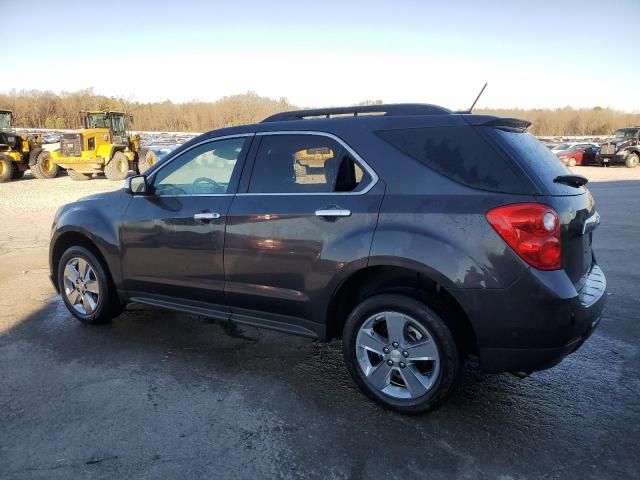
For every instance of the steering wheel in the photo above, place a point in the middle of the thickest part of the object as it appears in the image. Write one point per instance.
(206, 181)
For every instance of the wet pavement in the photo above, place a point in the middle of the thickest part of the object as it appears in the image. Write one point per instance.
(158, 394)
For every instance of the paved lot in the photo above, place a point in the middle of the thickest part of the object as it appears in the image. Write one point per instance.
(163, 395)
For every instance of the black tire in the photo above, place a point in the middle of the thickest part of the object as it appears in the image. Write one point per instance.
(7, 168)
(105, 308)
(632, 160)
(41, 165)
(118, 167)
(449, 363)
(146, 159)
(77, 176)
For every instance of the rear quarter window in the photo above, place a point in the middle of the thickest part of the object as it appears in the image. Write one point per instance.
(534, 158)
(461, 154)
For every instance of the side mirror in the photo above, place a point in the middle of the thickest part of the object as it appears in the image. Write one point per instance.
(136, 185)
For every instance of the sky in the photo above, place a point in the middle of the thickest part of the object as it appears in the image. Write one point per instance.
(533, 54)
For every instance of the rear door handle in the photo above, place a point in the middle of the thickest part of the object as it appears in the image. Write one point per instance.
(206, 216)
(333, 212)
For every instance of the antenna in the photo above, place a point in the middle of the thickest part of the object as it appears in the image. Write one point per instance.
(476, 100)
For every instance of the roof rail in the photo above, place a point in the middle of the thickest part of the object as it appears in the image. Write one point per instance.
(388, 110)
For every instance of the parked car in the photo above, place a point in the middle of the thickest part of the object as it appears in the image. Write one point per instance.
(580, 154)
(417, 235)
(624, 148)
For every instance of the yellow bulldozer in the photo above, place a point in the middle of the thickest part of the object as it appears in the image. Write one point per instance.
(102, 145)
(19, 153)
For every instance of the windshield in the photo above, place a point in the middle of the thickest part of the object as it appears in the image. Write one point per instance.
(560, 146)
(5, 120)
(97, 120)
(626, 132)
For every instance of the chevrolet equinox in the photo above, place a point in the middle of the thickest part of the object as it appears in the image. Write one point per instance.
(417, 235)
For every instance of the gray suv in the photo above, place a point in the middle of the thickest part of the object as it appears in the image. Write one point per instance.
(417, 235)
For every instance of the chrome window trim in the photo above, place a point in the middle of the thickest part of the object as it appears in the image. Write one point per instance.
(356, 156)
(208, 140)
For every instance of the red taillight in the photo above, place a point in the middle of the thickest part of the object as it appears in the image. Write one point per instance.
(532, 230)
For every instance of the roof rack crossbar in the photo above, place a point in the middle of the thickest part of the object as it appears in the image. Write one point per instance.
(400, 109)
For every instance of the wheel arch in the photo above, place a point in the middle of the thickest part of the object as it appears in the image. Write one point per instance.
(412, 282)
(73, 238)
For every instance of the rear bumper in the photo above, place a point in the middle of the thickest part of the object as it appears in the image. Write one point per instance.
(537, 322)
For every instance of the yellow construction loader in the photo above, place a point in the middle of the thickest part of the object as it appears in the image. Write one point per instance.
(18, 153)
(103, 145)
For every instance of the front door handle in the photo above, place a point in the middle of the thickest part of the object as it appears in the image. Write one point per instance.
(206, 216)
(333, 212)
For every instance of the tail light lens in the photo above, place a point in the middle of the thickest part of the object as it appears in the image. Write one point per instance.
(532, 230)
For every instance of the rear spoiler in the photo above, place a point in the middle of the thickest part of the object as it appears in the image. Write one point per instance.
(511, 124)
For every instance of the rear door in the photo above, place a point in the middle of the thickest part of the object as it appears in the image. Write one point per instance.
(173, 237)
(305, 219)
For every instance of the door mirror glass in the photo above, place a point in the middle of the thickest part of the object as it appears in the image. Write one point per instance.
(136, 185)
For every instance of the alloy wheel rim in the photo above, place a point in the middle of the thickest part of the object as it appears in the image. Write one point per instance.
(81, 286)
(397, 355)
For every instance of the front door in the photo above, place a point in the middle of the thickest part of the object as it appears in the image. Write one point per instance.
(307, 218)
(173, 236)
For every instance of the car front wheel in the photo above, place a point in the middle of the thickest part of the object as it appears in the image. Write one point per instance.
(84, 286)
(400, 353)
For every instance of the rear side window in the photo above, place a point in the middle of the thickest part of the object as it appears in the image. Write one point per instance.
(460, 154)
(538, 160)
(304, 164)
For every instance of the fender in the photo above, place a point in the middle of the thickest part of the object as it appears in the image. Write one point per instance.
(100, 226)
(414, 242)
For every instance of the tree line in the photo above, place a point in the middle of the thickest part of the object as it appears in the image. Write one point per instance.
(43, 109)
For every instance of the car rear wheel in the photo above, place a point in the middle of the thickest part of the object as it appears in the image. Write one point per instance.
(571, 162)
(84, 286)
(632, 160)
(400, 353)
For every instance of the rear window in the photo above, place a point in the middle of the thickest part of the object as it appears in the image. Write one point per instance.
(461, 154)
(535, 158)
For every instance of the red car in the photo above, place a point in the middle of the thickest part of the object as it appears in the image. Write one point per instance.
(579, 154)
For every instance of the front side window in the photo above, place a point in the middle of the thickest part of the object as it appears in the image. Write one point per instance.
(204, 170)
(304, 164)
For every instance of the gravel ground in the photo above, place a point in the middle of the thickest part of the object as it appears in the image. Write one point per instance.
(159, 394)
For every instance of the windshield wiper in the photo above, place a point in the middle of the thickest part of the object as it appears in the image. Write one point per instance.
(571, 180)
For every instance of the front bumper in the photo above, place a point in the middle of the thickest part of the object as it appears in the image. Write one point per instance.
(536, 322)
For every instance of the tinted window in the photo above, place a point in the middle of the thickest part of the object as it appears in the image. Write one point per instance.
(205, 169)
(534, 157)
(460, 154)
(304, 164)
